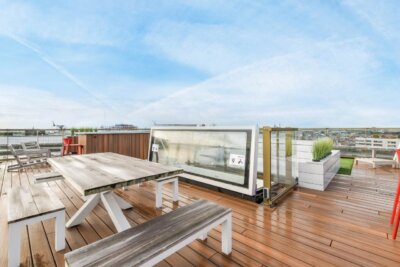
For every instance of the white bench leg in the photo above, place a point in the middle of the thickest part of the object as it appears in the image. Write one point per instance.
(203, 236)
(14, 244)
(60, 230)
(158, 195)
(227, 235)
(176, 190)
(84, 211)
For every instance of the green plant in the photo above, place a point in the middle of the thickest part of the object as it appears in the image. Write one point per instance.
(346, 165)
(80, 130)
(322, 148)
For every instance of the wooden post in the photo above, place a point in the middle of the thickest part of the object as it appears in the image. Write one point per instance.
(267, 158)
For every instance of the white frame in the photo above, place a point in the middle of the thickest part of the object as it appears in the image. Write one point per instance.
(252, 186)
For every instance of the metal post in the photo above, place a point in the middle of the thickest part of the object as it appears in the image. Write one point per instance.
(8, 149)
(62, 141)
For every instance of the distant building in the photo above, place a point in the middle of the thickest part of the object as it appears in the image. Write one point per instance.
(121, 126)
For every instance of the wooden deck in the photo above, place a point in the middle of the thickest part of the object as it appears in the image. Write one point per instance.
(347, 225)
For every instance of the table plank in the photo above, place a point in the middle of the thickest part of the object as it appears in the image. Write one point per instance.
(99, 172)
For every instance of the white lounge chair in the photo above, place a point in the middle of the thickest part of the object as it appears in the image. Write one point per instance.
(25, 158)
(33, 150)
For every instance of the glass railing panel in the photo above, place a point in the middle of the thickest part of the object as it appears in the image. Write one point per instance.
(219, 155)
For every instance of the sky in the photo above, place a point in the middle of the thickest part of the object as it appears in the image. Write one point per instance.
(289, 63)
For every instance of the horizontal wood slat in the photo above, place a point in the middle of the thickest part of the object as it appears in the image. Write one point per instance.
(129, 144)
(30, 201)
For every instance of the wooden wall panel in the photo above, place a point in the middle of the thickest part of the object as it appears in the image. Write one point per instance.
(130, 144)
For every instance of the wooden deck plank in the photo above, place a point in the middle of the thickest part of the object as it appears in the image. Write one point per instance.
(343, 226)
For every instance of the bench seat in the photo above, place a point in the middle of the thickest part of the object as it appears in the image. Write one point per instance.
(151, 242)
(29, 205)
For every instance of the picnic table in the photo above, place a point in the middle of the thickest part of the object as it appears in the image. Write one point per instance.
(97, 175)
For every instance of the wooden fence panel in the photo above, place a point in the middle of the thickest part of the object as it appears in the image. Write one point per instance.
(130, 144)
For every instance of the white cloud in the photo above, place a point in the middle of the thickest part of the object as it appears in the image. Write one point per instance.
(298, 64)
(308, 88)
(26, 107)
(382, 16)
(56, 24)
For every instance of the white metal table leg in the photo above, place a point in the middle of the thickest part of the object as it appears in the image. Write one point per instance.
(158, 195)
(60, 230)
(14, 244)
(203, 236)
(84, 211)
(226, 240)
(176, 190)
(121, 202)
(115, 212)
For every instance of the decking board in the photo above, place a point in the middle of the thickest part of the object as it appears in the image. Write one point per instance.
(346, 225)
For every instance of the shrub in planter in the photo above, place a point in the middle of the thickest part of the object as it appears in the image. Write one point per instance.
(322, 148)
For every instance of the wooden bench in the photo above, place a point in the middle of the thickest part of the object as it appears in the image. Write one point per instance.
(28, 205)
(376, 162)
(151, 242)
(47, 177)
(165, 180)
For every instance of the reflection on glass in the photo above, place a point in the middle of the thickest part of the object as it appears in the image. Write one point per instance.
(283, 162)
(219, 155)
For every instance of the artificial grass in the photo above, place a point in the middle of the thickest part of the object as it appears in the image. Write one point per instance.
(346, 165)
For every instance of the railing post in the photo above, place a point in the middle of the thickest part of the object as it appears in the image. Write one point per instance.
(62, 142)
(8, 149)
(267, 160)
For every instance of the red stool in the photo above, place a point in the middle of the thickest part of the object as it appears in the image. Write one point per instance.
(68, 143)
(396, 211)
(398, 154)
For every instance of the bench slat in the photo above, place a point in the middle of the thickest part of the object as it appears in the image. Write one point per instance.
(46, 175)
(27, 202)
(139, 244)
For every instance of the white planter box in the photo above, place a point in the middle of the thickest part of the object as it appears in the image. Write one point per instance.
(317, 175)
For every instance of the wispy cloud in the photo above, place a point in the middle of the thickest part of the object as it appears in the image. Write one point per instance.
(297, 63)
(56, 24)
(30, 107)
(60, 69)
(303, 88)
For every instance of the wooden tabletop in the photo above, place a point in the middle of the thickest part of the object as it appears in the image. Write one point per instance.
(99, 172)
(34, 200)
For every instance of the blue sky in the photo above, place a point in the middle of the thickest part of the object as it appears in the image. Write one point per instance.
(293, 63)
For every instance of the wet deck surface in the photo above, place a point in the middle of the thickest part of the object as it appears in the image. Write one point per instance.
(347, 225)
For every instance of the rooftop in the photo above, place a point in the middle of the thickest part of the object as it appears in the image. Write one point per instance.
(346, 225)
